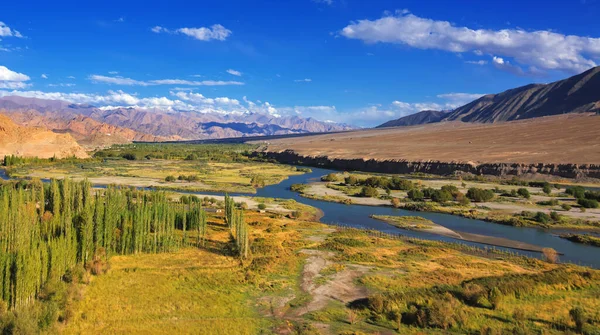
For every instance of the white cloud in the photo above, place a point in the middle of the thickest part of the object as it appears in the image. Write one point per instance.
(305, 80)
(44, 76)
(158, 29)
(70, 77)
(6, 31)
(12, 80)
(327, 2)
(477, 62)
(121, 19)
(454, 100)
(61, 85)
(214, 32)
(234, 72)
(113, 72)
(8, 75)
(541, 49)
(133, 82)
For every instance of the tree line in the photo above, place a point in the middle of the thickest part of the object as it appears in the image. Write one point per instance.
(234, 218)
(46, 229)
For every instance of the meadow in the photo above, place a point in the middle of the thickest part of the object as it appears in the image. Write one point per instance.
(222, 168)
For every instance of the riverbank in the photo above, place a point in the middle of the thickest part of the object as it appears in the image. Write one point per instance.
(421, 224)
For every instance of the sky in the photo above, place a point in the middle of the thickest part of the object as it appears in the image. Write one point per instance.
(349, 61)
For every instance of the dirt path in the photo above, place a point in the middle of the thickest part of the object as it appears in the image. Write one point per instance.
(340, 286)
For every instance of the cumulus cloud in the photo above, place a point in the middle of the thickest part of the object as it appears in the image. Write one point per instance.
(234, 72)
(305, 80)
(44, 76)
(540, 49)
(12, 80)
(214, 32)
(6, 31)
(133, 82)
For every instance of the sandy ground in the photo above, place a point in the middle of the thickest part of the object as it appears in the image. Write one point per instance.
(340, 287)
(572, 138)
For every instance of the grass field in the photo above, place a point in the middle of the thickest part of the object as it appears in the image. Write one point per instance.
(210, 176)
(306, 278)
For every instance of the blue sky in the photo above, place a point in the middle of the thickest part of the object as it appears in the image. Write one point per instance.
(353, 61)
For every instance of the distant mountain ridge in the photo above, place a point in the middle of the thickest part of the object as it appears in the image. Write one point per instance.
(577, 94)
(422, 117)
(92, 125)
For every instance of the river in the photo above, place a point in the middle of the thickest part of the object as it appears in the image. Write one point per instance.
(359, 216)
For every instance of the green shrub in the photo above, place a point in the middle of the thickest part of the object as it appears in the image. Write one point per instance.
(129, 156)
(576, 191)
(480, 195)
(170, 178)
(441, 196)
(587, 203)
(542, 217)
(262, 206)
(547, 188)
(332, 177)
(577, 314)
(523, 192)
(369, 191)
(566, 207)
(416, 195)
(351, 180)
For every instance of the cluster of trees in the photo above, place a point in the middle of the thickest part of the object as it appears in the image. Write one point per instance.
(480, 195)
(48, 229)
(234, 218)
(585, 199)
(394, 183)
(190, 178)
(444, 194)
(190, 152)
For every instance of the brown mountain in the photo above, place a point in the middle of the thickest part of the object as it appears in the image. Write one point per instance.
(36, 142)
(86, 131)
(577, 94)
(161, 124)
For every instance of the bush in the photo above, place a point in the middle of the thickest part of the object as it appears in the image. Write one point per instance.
(428, 192)
(369, 191)
(587, 203)
(480, 195)
(550, 255)
(441, 196)
(129, 156)
(542, 217)
(577, 314)
(351, 180)
(547, 188)
(523, 192)
(262, 206)
(555, 216)
(191, 157)
(170, 178)
(450, 189)
(495, 297)
(576, 191)
(416, 195)
(332, 177)
(566, 207)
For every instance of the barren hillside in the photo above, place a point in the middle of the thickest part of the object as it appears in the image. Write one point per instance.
(30, 142)
(573, 138)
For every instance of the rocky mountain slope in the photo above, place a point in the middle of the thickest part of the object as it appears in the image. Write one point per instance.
(161, 124)
(38, 142)
(422, 117)
(577, 94)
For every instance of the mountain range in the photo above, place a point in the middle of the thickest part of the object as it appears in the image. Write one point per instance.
(33, 141)
(93, 127)
(577, 94)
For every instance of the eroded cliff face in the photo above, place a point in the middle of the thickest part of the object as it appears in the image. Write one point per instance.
(573, 171)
